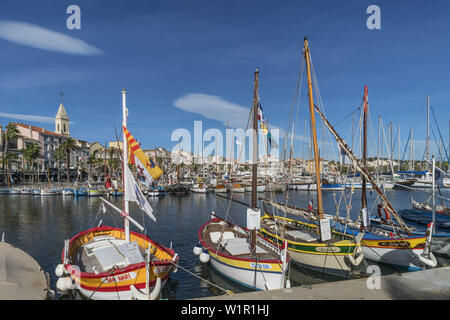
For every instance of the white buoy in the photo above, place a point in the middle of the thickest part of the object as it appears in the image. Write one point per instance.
(59, 270)
(197, 250)
(69, 283)
(61, 284)
(204, 257)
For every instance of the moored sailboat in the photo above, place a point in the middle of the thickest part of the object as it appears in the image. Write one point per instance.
(112, 263)
(238, 253)
(313, 245)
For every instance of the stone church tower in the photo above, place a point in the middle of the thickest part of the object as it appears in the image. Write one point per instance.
(62, 120)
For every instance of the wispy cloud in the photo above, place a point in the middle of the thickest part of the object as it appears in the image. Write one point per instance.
(216, 108)
(38, 37)
(29, 117)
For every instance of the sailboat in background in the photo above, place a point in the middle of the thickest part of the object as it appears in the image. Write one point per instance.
(239, 253)
(108, 263)
(402, 249)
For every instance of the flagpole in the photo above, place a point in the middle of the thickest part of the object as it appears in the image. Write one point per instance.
(125, 163)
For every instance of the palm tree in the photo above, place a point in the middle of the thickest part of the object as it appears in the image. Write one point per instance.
(6, 160)
(11, 133)
(59, 155)
(68, 146)
(30, 154)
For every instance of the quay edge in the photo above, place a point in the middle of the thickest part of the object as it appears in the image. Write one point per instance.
(431, 284)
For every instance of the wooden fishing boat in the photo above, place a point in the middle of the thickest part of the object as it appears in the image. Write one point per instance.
(313, 246)
(404, 250)
(238, 253)
(237, 188)
(51, 192)
(220, 188)
(422, 206)
(105, 265)
(95, 192)
(338, 257)
(81, 192)
(199, 188)
(68, 192)
(229, 250)
(13, 191)
(25, 191)
(109, 263)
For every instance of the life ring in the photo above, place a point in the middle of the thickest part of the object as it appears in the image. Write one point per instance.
(386, 213)
(431, 262)
(379, 213)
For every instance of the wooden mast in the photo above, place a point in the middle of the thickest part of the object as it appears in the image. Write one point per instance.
(254, 203)
(364, 155)
(313, 130)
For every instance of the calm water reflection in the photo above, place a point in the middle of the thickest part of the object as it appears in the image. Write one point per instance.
(39, 226)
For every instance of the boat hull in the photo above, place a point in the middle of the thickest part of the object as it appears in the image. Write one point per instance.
(329, 258)
(115, 285)
(251, 273)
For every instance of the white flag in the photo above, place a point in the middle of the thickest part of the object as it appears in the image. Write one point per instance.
(133, 193)
(143, 175)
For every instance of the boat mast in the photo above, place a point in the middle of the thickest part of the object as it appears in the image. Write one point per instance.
(427, 148)
(313, 130)
(364, 171)
(254, 204)
(364, 156)
(125, 163)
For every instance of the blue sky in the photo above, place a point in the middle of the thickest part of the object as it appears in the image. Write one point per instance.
(176, 57)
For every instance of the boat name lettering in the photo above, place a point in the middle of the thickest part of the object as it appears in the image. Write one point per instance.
(120, 277)
(398, 244)
(260, 265)
(328, 249)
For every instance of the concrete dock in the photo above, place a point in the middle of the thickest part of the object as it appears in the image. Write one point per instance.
(432, 284)
(21, 277)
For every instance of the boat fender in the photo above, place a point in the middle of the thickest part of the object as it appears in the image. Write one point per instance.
(59, 270)
(61, 284)
(69, 283)
(204, 257)
(197, 250)
(431, 262)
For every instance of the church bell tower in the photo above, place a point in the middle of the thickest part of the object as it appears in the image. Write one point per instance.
(62, 120)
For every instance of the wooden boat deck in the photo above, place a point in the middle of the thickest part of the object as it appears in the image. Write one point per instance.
(271, 227)
(90, 263)
(270, 254)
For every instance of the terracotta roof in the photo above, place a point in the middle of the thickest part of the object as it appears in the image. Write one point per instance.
(40, 130)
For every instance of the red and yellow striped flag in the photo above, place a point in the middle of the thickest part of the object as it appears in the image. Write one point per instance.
(147, 170)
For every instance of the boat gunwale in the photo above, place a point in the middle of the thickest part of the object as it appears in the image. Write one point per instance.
(229, 256)
(131, 267)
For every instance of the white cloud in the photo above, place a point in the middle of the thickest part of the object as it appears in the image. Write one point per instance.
(213, 107)
(41, 38)
(29, 117)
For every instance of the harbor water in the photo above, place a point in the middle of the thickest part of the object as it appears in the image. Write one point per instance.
(40, 225)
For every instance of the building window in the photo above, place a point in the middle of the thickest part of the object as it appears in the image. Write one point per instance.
(64, 128)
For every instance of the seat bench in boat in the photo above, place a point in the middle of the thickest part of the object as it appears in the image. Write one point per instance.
(103, 252)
